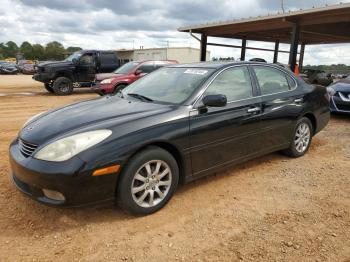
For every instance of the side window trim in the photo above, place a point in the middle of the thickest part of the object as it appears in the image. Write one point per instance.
(208, 82)
(282, 71)
(223, 70)
(147, 64)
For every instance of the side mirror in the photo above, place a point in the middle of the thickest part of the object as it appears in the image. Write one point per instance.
(75, 61)
(215, 100)
(138, 72)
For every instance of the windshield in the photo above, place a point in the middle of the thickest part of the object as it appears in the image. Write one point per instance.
(172, 85)
(75, 55)
(125, 69)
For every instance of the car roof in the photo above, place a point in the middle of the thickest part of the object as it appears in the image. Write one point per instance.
(217, 65)
(161, 61)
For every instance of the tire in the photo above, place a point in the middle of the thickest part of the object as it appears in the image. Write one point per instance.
(147, 181)
(48, 87)
(119, 88)
(303, 131)
(62, 86)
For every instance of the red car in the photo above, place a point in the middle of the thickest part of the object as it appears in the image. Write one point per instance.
(125, 75)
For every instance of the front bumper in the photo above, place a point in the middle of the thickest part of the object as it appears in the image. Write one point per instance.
(103, 89)
(337, 105)
(42, 77)
(70, 178)
(96, 88)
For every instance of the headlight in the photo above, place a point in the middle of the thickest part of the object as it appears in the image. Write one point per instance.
(65, 148)
(331, 91)
(32, 118)
(107, 81)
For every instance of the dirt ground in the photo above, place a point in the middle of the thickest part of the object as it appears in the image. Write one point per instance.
(269, 209)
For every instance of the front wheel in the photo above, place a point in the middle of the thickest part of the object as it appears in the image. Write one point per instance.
(63, 86)
(302, 138)
(148, 181)
(48, 87)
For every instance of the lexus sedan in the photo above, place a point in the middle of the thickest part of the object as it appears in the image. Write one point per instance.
(172, 126)
(340, 96)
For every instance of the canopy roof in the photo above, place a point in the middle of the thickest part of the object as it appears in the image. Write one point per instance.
(324, 25)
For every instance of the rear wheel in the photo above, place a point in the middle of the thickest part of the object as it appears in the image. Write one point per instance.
(148, 181)
(63, 86)
(48, 87)
(302, 138)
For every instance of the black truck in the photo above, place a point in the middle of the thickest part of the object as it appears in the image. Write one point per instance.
(77, 70)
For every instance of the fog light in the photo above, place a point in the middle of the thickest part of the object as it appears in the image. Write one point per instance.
(53, 195)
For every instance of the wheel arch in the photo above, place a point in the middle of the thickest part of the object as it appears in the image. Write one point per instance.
(171, 149)
(313, 121)
(120, 83)
(65, 74)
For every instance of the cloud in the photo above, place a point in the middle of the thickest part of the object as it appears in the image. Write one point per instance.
(111, 24)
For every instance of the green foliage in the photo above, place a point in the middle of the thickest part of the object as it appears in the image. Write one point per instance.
(339, 68)
(52, 51)
(55, 51)
(27, 50)
(38, 52)
(10, 49)
(72, 49)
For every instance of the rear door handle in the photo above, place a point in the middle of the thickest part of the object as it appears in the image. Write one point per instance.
(298, 100)
(254, 110)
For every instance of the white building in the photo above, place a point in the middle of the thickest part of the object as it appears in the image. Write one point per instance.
(180, 54)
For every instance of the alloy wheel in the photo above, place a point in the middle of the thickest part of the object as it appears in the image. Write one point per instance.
(302, 137)
(151, 183)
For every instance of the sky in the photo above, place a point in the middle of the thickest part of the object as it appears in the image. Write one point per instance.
(116, 24)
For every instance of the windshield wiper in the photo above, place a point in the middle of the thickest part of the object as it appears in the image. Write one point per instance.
(141, 97)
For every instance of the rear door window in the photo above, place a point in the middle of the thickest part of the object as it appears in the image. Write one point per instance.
(272, 81)
(108, 58)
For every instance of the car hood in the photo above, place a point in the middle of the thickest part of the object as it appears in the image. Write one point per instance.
(100, 77)
(341, 85)
(101, 113)
(55, 64)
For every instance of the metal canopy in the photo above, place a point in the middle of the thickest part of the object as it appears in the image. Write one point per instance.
(324, 25)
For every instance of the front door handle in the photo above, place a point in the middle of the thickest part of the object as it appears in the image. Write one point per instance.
(254, 110)
(298, 100)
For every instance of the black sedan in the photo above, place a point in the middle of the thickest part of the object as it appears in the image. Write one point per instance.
(340, 96)
(175, 125)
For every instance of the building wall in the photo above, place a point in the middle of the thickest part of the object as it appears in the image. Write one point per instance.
(180, 54)
(150, 54)
(185, 55)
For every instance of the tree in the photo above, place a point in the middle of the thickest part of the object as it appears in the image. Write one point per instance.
(73, 49)
(2, 51)
(38, 52)
(55, 50)
(27, 50)
(11, 49)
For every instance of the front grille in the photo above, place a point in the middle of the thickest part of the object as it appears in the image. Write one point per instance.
(345, 96)
(26, 148)
(40, 69)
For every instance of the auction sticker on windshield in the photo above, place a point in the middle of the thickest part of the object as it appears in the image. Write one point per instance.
(196, 71)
